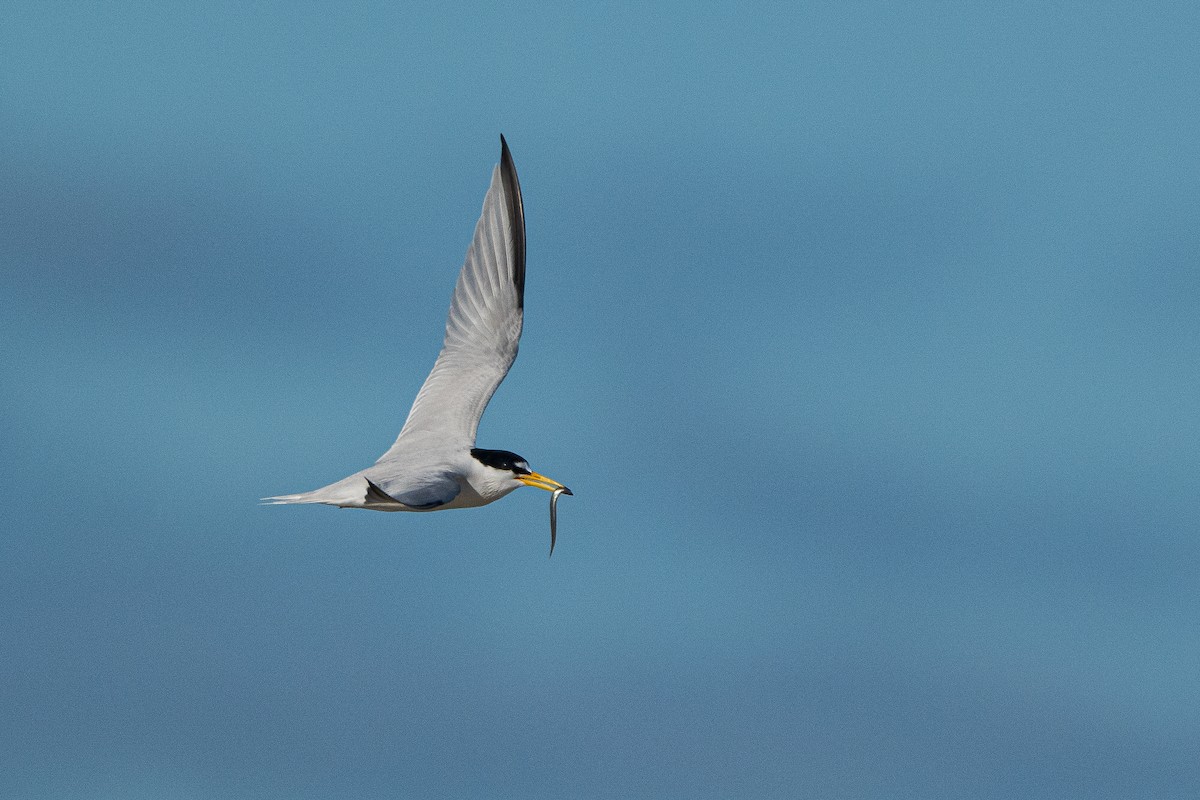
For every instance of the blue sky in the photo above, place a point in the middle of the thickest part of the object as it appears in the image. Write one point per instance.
(866, 335)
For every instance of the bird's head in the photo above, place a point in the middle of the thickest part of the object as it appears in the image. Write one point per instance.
(517, 467)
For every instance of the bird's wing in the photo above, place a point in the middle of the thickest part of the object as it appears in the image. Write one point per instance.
(484, 324)
(423, 492)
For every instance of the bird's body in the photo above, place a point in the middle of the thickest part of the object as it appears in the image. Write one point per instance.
(456, 480)
(434, 464)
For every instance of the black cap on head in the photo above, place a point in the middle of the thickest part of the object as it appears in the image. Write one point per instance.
(501, 459)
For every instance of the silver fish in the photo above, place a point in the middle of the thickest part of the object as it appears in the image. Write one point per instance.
(554, 515)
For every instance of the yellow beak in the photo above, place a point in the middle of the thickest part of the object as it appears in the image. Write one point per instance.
(542, 482)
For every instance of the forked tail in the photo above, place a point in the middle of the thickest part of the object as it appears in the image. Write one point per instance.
(302, 497)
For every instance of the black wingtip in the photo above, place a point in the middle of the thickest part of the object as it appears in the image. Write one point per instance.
(376, 495)
(517, 212)
(506, 158)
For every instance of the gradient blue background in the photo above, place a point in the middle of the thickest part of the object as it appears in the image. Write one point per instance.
(867, 336)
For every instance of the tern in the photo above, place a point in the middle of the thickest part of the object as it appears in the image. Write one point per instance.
(434, 463)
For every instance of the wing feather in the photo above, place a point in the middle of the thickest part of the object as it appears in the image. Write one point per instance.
(484, 323)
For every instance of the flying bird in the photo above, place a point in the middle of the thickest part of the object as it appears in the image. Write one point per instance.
(434, 463)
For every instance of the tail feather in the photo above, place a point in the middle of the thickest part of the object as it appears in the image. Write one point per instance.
(349, 492)
(283, 499)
